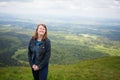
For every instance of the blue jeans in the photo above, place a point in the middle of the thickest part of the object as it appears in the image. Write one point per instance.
(40, 74)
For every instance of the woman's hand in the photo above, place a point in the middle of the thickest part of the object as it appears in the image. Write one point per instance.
(35, 67)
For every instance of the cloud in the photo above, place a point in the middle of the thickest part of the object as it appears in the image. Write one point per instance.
(84, 8)
(16, 0)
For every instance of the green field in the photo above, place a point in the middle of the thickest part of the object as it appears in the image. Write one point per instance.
(70, 43)
(107, 68)
(78, 53)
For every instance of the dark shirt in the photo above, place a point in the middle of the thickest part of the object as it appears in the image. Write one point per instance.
(35, 51)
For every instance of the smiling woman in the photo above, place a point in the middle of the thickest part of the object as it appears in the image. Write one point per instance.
(39, 51)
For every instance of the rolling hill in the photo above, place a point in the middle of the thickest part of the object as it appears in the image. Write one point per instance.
(70, 42)
(79, 51)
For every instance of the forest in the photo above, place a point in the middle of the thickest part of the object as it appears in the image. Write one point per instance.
(71, 43)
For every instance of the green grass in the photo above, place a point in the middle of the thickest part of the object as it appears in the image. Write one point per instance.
(98, 69)
(107, 68)
(15, 73)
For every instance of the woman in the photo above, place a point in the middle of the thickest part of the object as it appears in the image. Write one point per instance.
(39, 51)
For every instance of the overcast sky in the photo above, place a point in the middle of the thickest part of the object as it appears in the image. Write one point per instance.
(80, 8)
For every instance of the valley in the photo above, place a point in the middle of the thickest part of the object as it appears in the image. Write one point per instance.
(71, 43)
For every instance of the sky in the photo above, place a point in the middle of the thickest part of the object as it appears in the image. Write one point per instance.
(65, 8)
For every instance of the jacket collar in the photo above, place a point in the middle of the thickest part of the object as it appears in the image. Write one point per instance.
(36, 40)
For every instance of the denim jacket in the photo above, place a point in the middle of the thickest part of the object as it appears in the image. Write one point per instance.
(42, 55)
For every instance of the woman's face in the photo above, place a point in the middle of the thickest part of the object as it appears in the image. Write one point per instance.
(41, 30)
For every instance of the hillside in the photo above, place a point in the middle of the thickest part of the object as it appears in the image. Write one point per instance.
(70, 42)
(107, 68)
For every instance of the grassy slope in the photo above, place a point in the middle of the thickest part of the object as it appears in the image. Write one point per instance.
(107, 68)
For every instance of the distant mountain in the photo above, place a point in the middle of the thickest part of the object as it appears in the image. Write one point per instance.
(60, 19)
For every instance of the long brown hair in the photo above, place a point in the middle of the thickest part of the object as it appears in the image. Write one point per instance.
(35, 36)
